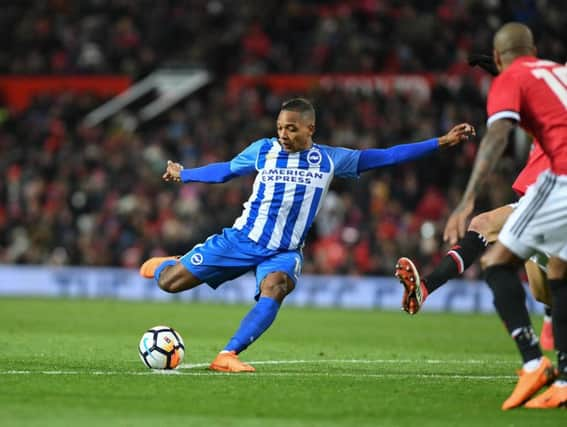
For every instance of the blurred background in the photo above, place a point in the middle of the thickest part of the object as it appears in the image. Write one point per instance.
(85, 189)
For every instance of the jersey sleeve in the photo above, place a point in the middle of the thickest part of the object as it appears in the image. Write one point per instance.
(345, 161)
(245, 162)
(503, 99)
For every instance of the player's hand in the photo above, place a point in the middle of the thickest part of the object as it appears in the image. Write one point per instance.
(172, 172)
(457, 223)
(458, 134)
(486, 62)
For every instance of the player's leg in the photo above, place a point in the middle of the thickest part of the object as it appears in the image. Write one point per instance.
(220, 258)
(556, 395)
(539, 288)
(169, 273)
(539, 223)
(500, 266)
(483, 228)
(276, 278)
(274, 289)
(546, 337)
(537, 280)
(149, 266)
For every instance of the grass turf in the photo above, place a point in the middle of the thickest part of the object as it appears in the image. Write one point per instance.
(75, 362)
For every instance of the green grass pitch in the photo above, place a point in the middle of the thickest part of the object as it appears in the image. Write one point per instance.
(75, 363)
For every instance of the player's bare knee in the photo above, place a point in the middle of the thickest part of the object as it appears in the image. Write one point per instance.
(498, 254)
(490, 258)
(277, 286)
(485, 225)
(480, 223)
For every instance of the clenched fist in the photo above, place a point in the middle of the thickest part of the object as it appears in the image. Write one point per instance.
(172, 172)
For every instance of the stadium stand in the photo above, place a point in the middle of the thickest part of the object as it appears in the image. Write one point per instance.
(73, 195)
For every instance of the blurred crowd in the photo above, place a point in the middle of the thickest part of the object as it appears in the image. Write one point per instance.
(226, 36)
(94, 196)
(74, 195)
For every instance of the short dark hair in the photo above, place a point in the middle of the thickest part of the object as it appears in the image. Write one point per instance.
(300, 105)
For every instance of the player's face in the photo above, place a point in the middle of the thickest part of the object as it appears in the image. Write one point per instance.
(294, 131)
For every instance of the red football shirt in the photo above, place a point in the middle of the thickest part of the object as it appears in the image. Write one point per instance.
(534, 93)
(536, 164)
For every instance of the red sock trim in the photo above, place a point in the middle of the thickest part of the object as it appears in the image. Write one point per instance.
(458, 260)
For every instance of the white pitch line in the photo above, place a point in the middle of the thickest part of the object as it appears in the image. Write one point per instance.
(363, 361)
(257, 375)
(294, 374)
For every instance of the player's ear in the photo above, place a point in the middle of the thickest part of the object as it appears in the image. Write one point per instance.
(497, 60)
(311, 127)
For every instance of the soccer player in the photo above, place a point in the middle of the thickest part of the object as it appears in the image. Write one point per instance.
(533, 93)
(293, 175)
(483, 229)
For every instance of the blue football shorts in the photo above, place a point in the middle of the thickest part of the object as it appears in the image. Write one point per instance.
(228, 255)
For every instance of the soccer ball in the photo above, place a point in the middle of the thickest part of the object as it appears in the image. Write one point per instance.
(161, 347)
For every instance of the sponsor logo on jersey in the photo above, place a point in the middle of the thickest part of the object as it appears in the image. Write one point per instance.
(196, 259)
(294, 176)
(314, 157)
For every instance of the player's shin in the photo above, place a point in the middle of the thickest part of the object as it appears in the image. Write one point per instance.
(510, 303)
(254, 324)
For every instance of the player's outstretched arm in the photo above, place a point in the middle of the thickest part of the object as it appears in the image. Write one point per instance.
(211, 173)
(375, 157)
(490, 150)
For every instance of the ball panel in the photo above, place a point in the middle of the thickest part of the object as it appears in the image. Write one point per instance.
(143, 357)
(179, 339)
(161, 347)
(166, 340)
(147, 342)
(157, 360)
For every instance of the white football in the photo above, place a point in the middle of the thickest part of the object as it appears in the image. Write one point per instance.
(161, 347)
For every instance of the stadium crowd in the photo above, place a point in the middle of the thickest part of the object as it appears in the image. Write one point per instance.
(307, 36)
(94, 196)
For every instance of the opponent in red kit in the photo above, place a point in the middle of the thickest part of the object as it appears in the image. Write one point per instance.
(483, 229)
(533, 93)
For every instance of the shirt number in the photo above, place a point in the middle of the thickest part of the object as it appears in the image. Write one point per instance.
(556, 80)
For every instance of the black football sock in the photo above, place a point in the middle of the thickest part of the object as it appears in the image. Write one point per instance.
(457, 260)
(562, 365)
(510, 303)
(558, 289)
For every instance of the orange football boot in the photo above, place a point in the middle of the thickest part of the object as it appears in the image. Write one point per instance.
(554, 397)
(414, 290)
(529, 383)
(228, 362)
(149, 267)
(546, 338)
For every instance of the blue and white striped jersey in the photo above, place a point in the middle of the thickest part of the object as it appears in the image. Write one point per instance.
(288, 190)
